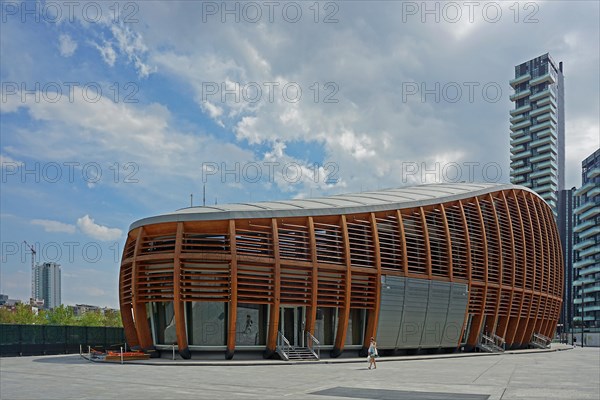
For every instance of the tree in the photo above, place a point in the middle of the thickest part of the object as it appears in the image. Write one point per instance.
(61, 315)
(113, 318)
(91, 318)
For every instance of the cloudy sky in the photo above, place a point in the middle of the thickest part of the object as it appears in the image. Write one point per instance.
(112, 112)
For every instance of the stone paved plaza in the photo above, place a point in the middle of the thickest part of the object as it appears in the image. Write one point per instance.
(568, 374)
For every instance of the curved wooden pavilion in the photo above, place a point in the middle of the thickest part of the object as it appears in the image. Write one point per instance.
(424, 267)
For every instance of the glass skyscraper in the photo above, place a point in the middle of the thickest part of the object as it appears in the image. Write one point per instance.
(537, 127)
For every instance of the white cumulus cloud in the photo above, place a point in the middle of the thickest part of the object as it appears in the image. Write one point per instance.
(99, 232)
(54, 226)
(66, 45)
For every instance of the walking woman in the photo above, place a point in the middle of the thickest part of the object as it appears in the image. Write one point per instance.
(373, 354)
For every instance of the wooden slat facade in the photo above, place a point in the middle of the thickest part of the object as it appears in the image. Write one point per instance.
(503, 244)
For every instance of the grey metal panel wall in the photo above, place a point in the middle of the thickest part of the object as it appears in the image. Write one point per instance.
(457, 310)
(390, 313)
(415, 306)
(437, 310)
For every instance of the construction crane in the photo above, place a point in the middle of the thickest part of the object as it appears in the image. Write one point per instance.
(33, 253)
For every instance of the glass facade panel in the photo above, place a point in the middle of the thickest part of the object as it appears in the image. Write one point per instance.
(207, 323)
(251, 329)
(356, 327)
(326, 325)
(164, 322)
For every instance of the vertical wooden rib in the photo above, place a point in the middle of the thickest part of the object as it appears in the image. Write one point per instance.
(500, 264)
(503, 324)
(402, 243)
(547, 260)
(520, 337)
(274, 314)
(233, 297)
(514, 324)
(541, 257)
(312, 309)
(139, 309)
(373, 314)
(127, 308)
(427, 244)
(478, 319)
(449, 244)
(340, 338)
(178, 305)
(469, 264)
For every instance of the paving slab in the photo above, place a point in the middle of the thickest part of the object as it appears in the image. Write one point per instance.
(572, 374)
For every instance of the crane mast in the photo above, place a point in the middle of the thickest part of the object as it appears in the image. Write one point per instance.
(33, 253)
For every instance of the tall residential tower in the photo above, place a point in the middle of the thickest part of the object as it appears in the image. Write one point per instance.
(46, 283)
(538, 128)
(587, 243)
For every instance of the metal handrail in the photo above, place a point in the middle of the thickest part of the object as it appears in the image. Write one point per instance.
(283, 344)
(311, 342)
(492, 341)
(540, 339)
(498, 341)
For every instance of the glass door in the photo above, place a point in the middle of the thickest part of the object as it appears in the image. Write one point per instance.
(291, 324)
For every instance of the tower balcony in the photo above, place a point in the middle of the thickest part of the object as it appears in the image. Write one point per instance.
(518, 118)
(542, 172)
(519, 133)
(540, 95)
(584, 263)
(591, 174)
(585, 188)
(520, 95)
(583, 226)
(584, 244)
(547, 117)
(543, 157)
(590, 251)
(543, 125)
(519, 156)
(547, 132)
(595, 230)
(517, 180)
(520, 110)
(592, 212)
(520, 140)
(541, 142)
(584, 207)
(541, 79)
(541, 110)
(520, 125)
(519, 79)
(546, 100)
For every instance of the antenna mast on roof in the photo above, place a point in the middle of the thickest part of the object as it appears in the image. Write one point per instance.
(203, 195)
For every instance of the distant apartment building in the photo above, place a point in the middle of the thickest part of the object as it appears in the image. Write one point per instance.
(587, 243)
(47, 284)
(566, 222)
(537, 125)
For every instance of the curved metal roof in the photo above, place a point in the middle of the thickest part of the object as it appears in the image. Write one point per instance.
(382, 200)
